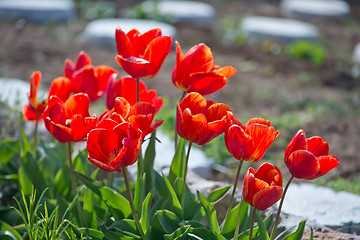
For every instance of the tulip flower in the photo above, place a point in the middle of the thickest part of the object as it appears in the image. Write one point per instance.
(60, 87)
(308, 158)
(140, 115)
(70, 67)
(69, 121)
(262, 188)
(196, 71)
(126, 87)
(248, 142)
(86, 78)
(141, 55)
(199, 120)
(112, 146)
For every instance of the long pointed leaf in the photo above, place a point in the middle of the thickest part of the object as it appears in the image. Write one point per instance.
(177, 168)
(210, 213)
(297, 235)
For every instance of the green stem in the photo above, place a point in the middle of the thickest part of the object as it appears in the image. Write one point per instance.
(175, 133)
(73, 183)
(279, 209)
(252, 223)
(36, 130)
(185, 173)
(128, 190)
(236, 233)
(232, 195)
(138, 90)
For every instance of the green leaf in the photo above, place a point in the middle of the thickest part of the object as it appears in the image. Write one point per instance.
(25, 144)
(228, 230)
(88, 209)
(210, 213)
(6, 230)
(8, 149)
(111, 235)
(126, 226)
(145, 213)
(30, 173)
(218, 194)
(111, 198)
(178, 234)
(168, 220)
(297, 235)
(92, 232)
(202, 233)
(173, 203)
(262, 228)
(177, 168)
(150, 154)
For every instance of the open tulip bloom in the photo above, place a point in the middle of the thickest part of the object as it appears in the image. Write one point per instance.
(308, 158)
(112, 146)
(70, 120)
(86, 78)
(197, 72)
(248, 142)
(126, 87)
(199, 120)
(140, 115)
(141, 55)
(61, 87)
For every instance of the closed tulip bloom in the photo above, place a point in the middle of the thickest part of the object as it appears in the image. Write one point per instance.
(112, 146)
(70, 120)
(197, 72)
(308, 158)
(140, 115)
(262, 188)
(248, 142)
(126, 87)
(60, 87)
(141, 55)
(199, 120)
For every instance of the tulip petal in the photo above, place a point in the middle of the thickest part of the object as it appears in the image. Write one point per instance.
(238, 143)
(326, 164)
(60, 87)
(123, 44)
(298, 142)
(303, 164)
(62, 133)
(270, 174)
(29, 113)
(267, 197)
(227, 71)
(248, 185)
(317, 146)
(205, 82)
(216, 111)
(77, 104)
(136, 67)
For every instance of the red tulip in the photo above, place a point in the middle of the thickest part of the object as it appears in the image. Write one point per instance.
(86, 78)
(70, 67)
(262, 188)
(112, 146)
(140, 115)
(249, 142)
(196, 71)
(69, 121)
(126, 87)
(199, 120)
(60, 87)
(141, 55)
(308, 158)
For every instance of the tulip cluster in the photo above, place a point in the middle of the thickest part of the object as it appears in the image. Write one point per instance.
(114, 138)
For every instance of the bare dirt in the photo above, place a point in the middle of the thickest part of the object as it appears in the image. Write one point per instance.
(265, 85)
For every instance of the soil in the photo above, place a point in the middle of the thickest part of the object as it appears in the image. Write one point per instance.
(266, 84)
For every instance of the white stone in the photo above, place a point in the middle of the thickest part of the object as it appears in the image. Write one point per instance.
(356, 56)
(14, 92)
(316, 8)
(38, 11)
(102, 32)
(322, 205)
(192, 12)
(279, 28)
